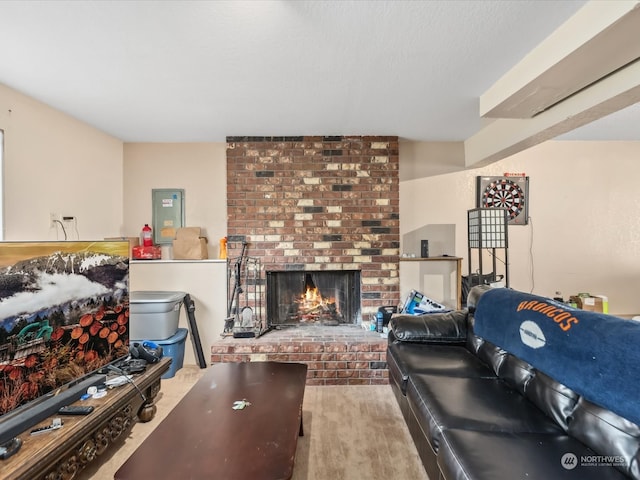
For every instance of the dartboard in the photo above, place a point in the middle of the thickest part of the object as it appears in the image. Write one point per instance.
(505, 192)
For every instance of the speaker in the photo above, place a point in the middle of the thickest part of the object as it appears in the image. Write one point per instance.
(424, 248)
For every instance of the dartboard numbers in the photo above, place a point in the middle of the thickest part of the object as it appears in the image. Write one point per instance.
(505, 192)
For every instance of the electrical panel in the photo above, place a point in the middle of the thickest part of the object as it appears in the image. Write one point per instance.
(168, 214)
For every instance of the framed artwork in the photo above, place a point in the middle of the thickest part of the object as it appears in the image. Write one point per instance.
(64, 313)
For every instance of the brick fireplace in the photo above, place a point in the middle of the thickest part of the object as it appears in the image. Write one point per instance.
(318, 203)
(334, 355)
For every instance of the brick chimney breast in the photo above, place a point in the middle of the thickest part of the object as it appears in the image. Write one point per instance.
(318, 203)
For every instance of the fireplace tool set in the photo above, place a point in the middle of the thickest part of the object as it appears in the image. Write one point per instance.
(244, 296)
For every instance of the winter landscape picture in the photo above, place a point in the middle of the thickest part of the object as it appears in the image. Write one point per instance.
(64, 312)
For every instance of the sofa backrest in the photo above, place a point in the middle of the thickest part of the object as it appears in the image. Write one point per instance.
(595, 355)
(579, 367)
(608, 434)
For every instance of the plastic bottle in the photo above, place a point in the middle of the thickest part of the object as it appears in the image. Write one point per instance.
(223, 248)
(379, 321)
(147, 237)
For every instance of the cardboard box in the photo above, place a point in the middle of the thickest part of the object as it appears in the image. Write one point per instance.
(133, 242)
(140, 252)
(418, 303)
(190, 245)
(587, 302)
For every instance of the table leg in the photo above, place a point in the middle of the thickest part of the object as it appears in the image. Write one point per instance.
(301, 432)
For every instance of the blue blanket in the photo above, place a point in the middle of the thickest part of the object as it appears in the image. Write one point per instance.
(596, 355)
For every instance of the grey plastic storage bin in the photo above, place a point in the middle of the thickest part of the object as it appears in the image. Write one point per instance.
(154, 315)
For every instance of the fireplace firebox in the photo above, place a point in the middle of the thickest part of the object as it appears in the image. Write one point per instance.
(327, 297)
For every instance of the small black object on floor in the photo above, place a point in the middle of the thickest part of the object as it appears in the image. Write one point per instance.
(242, 333)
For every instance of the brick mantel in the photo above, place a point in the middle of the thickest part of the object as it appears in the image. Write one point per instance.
(318, 203)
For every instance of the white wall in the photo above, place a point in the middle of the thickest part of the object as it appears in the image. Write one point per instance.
(198, 168)
(584, 204)
(56, 164)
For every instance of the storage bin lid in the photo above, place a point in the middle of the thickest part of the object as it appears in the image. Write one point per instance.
(155, 297)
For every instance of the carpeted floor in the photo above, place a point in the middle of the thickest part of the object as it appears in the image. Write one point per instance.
(350, 433)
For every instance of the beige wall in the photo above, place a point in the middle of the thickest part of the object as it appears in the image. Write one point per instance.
(584, 196)
(204, 281)
(584, 204)
(198, 168)
(55, 164)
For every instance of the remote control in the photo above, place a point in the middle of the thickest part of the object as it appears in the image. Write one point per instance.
(75, 410)
(55, 425)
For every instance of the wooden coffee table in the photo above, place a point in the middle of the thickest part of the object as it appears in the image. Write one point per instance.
(203, 437)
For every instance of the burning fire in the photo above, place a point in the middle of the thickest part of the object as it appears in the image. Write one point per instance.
(312, 297)
(313, 306)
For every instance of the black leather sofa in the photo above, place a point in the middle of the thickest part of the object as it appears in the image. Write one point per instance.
(476, 410)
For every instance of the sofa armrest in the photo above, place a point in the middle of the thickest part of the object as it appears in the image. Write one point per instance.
(474, 296)
(447, 327)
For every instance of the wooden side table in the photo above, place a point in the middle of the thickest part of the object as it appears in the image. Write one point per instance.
(456, 261)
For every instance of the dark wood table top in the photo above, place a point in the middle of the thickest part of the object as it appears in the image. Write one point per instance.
(203, 437)
(44, 456)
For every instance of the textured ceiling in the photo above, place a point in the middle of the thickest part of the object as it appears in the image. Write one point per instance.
(182, 71)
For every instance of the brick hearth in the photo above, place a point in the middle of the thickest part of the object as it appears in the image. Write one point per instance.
(340, 355)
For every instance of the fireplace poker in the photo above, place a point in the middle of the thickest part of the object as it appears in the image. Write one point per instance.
(237, 288)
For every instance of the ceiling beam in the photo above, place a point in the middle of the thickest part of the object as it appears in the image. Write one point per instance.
(587, 69)
(505, 137)
(599, 39)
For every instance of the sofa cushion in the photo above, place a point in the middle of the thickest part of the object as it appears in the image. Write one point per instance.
(473, 343)
(404, 358)
(515, 372)
(608, 434)
(466, 455)
(594, 354)
(486, 351)
(448, 327)
(443, 402)
(553, 398)
(492, 355)
(474, 296)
